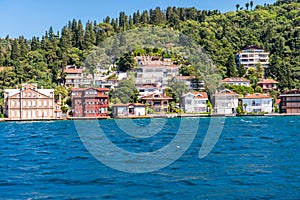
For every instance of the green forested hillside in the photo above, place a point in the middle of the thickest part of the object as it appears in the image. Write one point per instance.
(276, 28)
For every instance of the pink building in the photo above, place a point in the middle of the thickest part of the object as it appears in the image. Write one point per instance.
(29, 102)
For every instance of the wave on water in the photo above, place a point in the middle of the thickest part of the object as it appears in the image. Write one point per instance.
(246, 121)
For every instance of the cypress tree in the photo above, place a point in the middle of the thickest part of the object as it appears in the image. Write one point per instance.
(231, 66)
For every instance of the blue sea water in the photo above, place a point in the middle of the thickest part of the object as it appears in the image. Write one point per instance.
(254, 158)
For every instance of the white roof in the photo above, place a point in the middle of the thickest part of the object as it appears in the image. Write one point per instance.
(12, 92)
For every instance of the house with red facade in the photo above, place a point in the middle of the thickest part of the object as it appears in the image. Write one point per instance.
(90, 102)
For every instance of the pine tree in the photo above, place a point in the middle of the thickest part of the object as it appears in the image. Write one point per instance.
(66, 38)
(89, 37)
(15, 50)
(23, 47)
(80, 35)
(35, 44)
(145, 17)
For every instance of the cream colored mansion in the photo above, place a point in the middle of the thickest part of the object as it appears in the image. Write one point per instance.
(29, 102)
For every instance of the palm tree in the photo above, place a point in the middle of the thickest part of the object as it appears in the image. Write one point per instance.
(245, 106)
(247, 5)
(237, 7)
(251, 4)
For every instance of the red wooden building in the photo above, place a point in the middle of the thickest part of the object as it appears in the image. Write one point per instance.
(90, 102)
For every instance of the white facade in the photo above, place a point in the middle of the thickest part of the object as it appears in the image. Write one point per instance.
(257, 103)
(148, 89)
(225, 102)
(155, 74)
(238, 81)
(194, 102)
(251, 56)
(121, 110)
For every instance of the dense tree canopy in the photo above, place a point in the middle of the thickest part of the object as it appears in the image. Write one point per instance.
(276, 28)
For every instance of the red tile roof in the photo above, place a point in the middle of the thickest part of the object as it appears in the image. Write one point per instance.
(257, 96)
(72, 71)
(200, 95)
(84, 89)
(266, 81)
(236, 79)
(278, 101)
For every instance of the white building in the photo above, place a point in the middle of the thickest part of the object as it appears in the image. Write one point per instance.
(145, 90)
(75, 77)
(238, 81)
(155, 70)
(123, 110)
(251, 56)
(194, 102)
(225, 102)
(257, 103)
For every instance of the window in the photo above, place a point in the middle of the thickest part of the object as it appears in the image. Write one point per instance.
(188, 101)
(33, 103)
(45, 102)
(40, 103)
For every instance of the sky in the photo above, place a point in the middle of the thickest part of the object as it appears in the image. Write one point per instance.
(33, 17)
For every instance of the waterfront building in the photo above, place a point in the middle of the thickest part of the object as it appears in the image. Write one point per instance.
(194, 102)
(238, 81)
(29, 103)
(257, 103)
(268, 84)
(251, 56)
(290, 102)
(157, 102)
(130, 109)
(225, 102)
(90, 102)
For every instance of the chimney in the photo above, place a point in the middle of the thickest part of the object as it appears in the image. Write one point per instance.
(42, 87)
(17, 87)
